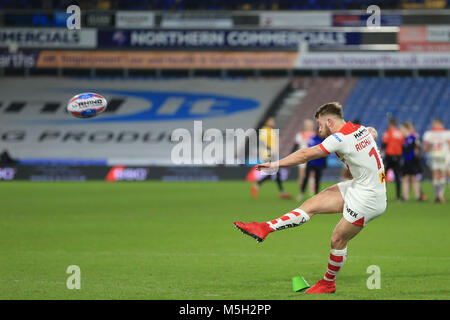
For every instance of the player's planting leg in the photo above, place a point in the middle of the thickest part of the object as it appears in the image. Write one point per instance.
(343, 232)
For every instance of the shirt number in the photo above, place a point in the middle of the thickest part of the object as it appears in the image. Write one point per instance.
(374, 153)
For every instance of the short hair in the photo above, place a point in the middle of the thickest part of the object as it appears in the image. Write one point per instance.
(409, 125)
(393, 121)
(439, 120)
(331, 108)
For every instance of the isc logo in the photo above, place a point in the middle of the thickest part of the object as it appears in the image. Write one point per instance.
(156, 106)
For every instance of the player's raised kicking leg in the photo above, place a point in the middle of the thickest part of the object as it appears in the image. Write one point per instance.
(328, 201)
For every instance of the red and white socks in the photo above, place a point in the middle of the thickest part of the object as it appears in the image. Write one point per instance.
(293, 218)
(335, 263)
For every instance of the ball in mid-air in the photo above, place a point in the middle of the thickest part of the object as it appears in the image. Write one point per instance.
(86, 105)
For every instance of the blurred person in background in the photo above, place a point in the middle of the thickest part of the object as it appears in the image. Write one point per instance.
(269, 141)
(392, 143)
(315, 166)
(436, 142)
(411, 165)
(419, 155)
(6, 159)
(301, 140)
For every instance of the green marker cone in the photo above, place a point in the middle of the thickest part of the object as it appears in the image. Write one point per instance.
(299, 284)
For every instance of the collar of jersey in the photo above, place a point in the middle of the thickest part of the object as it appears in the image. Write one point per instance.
(349, 128)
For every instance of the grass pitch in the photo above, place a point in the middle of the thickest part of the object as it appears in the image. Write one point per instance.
(155, 240)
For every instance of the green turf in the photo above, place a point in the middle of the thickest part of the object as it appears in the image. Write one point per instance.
(155, 240)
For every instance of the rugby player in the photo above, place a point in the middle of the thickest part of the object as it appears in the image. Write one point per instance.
(437, 142)
(360, 200)
(411, 164)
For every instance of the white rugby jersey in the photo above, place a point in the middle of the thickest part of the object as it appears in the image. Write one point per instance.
(438, 140)
(302, 138)
(355, 146)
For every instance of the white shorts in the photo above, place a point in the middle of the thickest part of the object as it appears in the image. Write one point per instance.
(360, 209)
(438, 163)
(303, 165)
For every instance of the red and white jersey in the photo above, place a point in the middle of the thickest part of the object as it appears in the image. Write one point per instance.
(302, 138)
(355, 146)
(438, 139)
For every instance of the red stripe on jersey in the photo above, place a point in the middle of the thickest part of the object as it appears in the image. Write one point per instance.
(333, 268)
(336, 258)
(349, 128)
(323, 149)
(285, 218)
(295, 213)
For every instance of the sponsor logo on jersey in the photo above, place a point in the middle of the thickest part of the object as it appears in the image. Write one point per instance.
(382, 177)
(352, 213)
(337, 138)
(360, 133)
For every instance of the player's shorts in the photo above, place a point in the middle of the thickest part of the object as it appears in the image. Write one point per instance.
(438, 163)
(411, 167)
(303, 165)
(360, 209)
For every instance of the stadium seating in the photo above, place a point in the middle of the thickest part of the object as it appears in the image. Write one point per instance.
(319, 91)
(372, 101)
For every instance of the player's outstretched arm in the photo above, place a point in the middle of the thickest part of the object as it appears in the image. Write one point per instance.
(295, 158)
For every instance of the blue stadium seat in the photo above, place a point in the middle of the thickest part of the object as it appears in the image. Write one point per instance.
(374, 100)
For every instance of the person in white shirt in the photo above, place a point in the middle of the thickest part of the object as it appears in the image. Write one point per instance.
(436, 142)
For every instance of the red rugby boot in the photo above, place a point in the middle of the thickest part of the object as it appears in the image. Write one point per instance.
(256, 230)
(323, 286)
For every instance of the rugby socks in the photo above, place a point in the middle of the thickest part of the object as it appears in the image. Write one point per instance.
(436, 188)
(293, 218)
(335, 263)
(439, 188)
(442, 187)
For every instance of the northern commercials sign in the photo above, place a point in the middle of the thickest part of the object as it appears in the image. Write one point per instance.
(220, 39)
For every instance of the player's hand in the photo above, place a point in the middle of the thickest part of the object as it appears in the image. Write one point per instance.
(262, 166)
(268, 167)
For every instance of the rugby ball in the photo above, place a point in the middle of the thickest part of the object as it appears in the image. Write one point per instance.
(86, 105)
